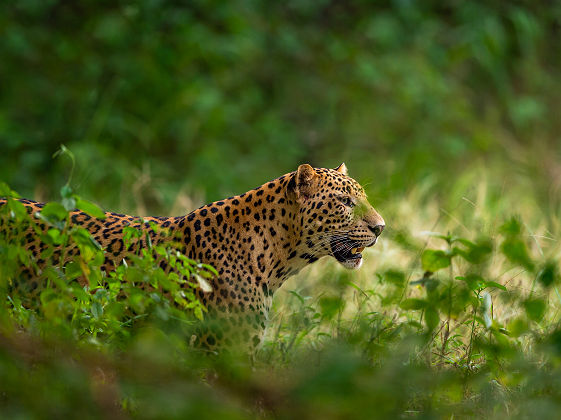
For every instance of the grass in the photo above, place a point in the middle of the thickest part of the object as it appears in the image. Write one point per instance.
(456, 120)
(455, 313)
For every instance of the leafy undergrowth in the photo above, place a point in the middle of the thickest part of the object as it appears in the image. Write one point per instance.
(450, 326)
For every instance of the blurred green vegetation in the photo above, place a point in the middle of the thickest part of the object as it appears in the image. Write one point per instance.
(449, 115)
(460, 341)
(219, 97)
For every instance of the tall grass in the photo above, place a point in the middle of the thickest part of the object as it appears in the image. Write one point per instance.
(454, 313)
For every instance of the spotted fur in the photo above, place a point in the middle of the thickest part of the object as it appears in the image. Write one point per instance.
(255, 241)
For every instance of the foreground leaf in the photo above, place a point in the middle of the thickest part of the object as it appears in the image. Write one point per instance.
(434, 260)
(89, 208)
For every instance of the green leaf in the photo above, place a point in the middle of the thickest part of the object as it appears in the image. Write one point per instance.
(492, 284)
(535, 309)
(206, 267)
(413, 304)
(475, 252)
(415, 324)
(474, 281)
(301, 298)
(69, 203)
(72, 270)
(517, 327)
(99, 258)
(554, 341)
(6, 191)
(66, 192)
(433, 260)
(97, 310)
(18, 209)
(330, 305)
(511, 227)
(549, 274)
(79, 293)
(55, 236)
(54, 214)
(198, 313)
(86, 243)
(89, 208)
(430, 283)
(395, 277)
(84, 237)
(516, 252)
(432, 318)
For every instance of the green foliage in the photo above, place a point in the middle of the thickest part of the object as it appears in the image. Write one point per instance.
(217, 98)
(76, 297)
(549, 274)
(413, 304)
(434, 260)
(451, 126)
(437, 349)
(438, 337)
(535, 309)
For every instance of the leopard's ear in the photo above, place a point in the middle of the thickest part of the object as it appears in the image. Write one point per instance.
(342, 168)
(303, 182)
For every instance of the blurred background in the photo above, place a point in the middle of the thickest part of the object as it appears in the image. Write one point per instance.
(168, 104)
(447, 113)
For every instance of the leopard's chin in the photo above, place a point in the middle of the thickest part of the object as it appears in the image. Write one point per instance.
(352, 263)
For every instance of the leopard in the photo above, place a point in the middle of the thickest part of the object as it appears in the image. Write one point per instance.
(255, 241)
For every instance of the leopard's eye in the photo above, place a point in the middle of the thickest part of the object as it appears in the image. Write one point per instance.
(347, 201)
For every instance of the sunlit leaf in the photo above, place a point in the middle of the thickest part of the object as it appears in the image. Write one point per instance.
(55, 236)
(53, 212)
(204, 284)
(89, 208)
(494, 285)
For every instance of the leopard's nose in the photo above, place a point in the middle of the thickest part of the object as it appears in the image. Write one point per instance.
(377, 230)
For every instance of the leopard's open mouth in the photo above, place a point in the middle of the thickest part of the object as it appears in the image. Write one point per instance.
(344, 252)
(347, 252)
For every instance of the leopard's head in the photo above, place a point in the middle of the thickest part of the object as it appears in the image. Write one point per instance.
(334, 214)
